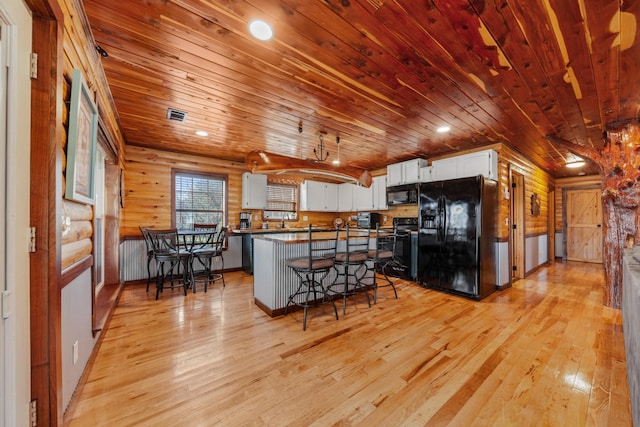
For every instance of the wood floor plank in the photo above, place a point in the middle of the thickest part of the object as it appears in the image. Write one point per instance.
(542, 353)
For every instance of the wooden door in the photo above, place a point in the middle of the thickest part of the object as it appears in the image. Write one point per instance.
(584, 225)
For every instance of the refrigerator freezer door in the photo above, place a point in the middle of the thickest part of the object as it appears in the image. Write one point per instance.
(459, 271)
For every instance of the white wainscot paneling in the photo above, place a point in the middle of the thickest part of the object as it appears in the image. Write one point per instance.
(76, 326)
(502, 263)
(559, 244)
(536, 252)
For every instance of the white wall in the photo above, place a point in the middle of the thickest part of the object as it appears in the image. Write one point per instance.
(76, 326)
(16, 391)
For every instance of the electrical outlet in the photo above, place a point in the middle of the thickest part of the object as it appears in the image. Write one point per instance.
(305, 218)
(75, 352)
(384, 219)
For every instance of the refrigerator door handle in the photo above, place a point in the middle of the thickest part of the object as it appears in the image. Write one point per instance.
(442, 218)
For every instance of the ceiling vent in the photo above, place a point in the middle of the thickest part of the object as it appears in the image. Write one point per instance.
(178, 116)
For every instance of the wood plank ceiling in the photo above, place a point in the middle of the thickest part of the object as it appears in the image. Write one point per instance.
(382, 75)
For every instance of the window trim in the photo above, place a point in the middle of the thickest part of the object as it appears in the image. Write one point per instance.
(296, 188)
(203, 174)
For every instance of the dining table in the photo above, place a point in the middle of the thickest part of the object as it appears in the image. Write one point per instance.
(189, 241)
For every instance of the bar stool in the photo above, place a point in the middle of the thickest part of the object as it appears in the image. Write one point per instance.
(311, 271)
(205, 252)
(351, 267)
(380, 258)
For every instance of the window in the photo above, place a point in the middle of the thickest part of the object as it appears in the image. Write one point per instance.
(199, 198)
(282, 202)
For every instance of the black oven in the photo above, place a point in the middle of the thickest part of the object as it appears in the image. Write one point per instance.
(404, 251)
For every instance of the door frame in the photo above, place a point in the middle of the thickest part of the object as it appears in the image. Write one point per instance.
(517, 219)
(16, 39)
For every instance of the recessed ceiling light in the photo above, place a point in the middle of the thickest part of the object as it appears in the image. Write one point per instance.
(260, 29)
(443, 129)
(202, 133)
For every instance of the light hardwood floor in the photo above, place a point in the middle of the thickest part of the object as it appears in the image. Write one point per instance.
(543, 353)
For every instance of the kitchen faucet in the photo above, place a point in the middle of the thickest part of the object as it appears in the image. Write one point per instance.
(287, 216)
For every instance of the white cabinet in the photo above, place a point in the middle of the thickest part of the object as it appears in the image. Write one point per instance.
(318, 196)
(254, 191)
(479, 163)
(426, 174)
(345, 197)
(363, 198)
(379, 192)
(407, 172)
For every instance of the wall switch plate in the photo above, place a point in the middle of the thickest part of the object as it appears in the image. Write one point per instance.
(75, 352)
(305, 218)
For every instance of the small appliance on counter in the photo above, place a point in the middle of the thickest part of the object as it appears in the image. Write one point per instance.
(367, 219)
(245, 220)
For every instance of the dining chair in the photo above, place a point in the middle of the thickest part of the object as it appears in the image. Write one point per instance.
(208, 250)
(311, 270)
(381, 258)
(351, 267)
(149, 247)
(168, 257)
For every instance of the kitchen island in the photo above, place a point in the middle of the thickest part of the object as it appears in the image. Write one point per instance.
(273, 281)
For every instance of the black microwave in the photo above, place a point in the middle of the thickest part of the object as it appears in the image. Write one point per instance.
(402, 194)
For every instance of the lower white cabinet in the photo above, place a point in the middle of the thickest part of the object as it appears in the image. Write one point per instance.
(318, 196)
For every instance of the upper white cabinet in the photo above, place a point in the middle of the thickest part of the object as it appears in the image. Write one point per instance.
(407, 172)
(318, 196)
(479, 163)
(426, 174)
(254, 191)
(345, 197)
(363, 198)
(379, 192)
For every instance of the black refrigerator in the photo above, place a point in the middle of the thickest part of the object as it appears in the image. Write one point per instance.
(456, 236)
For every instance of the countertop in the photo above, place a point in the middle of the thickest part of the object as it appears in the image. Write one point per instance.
(291, 238)
(286, 230)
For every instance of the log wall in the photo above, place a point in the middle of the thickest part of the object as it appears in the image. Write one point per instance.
(147, 190)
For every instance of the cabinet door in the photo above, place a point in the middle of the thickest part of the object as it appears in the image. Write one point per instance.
(330, 197)
(379, 186)
(312, 196)
(411, 171)
(254, 191)
(481, 163)
(345, 197)
(394, 174)
(445, 169)
(363, 198)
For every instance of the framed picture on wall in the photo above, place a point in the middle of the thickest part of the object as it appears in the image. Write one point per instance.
(81, 143)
